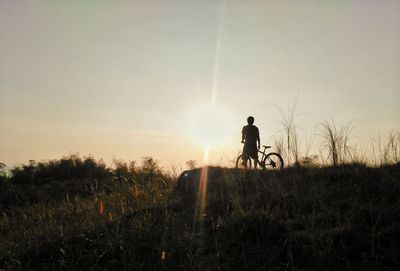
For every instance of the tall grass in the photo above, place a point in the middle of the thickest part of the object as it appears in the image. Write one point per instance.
(388, 148)
(299, 219)
(333, 144)
(288, 143)
(36, 213)
(336, 141)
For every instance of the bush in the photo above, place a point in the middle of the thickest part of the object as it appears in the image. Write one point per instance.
(67, 168)
(3, 173)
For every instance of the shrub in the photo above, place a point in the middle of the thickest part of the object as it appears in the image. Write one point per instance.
(67, 168)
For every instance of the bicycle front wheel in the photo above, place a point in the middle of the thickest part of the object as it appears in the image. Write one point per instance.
(273, 161)
(243, 162)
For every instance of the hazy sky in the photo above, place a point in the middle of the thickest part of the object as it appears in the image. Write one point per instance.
(119, 78)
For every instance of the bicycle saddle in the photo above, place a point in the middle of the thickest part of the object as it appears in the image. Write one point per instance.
(266, 146)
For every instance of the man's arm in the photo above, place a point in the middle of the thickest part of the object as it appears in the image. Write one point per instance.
(258, 138)
(243, 135)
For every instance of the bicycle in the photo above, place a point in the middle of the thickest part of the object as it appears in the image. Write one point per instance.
(269, 161)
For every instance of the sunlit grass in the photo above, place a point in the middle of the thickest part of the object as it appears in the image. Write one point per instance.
(211, 218)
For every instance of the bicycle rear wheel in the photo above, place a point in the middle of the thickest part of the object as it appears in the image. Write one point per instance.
(243, 162)
(273, 161)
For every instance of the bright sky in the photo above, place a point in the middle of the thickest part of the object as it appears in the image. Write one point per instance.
(120, 79)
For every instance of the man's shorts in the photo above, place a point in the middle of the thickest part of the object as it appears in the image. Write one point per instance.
(251, 150)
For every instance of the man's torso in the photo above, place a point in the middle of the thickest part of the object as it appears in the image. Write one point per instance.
(251, 134)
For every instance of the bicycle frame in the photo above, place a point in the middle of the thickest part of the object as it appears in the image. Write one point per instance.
(271, 160)
(259, 161)
(263, 152)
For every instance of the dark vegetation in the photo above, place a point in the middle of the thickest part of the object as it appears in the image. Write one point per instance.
(78, 214)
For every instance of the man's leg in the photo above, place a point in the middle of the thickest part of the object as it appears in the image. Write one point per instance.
(244, 159)
(255, 163)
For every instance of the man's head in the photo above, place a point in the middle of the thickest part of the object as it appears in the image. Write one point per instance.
(250, 120)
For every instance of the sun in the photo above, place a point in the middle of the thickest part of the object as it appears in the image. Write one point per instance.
(209, 125)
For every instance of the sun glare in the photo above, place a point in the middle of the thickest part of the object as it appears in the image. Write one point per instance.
(209, 125)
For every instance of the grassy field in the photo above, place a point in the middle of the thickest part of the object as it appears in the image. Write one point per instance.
(77, 214)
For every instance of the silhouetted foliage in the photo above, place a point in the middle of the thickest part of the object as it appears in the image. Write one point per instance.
(75, 213)
(73, 176)
(67, 168)
(3, 173)
(336, 141)
(327, 218)
(191, 164)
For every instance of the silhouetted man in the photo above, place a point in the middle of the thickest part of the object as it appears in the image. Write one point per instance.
(251, 140)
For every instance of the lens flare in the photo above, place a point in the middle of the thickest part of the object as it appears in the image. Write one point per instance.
(209, 125)
(200, 210)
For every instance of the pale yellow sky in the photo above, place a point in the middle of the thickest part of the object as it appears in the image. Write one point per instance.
(118, 79)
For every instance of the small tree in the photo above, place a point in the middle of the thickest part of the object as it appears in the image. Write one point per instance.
(191, 164)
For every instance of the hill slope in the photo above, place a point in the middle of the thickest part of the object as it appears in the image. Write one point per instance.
(345, 218)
